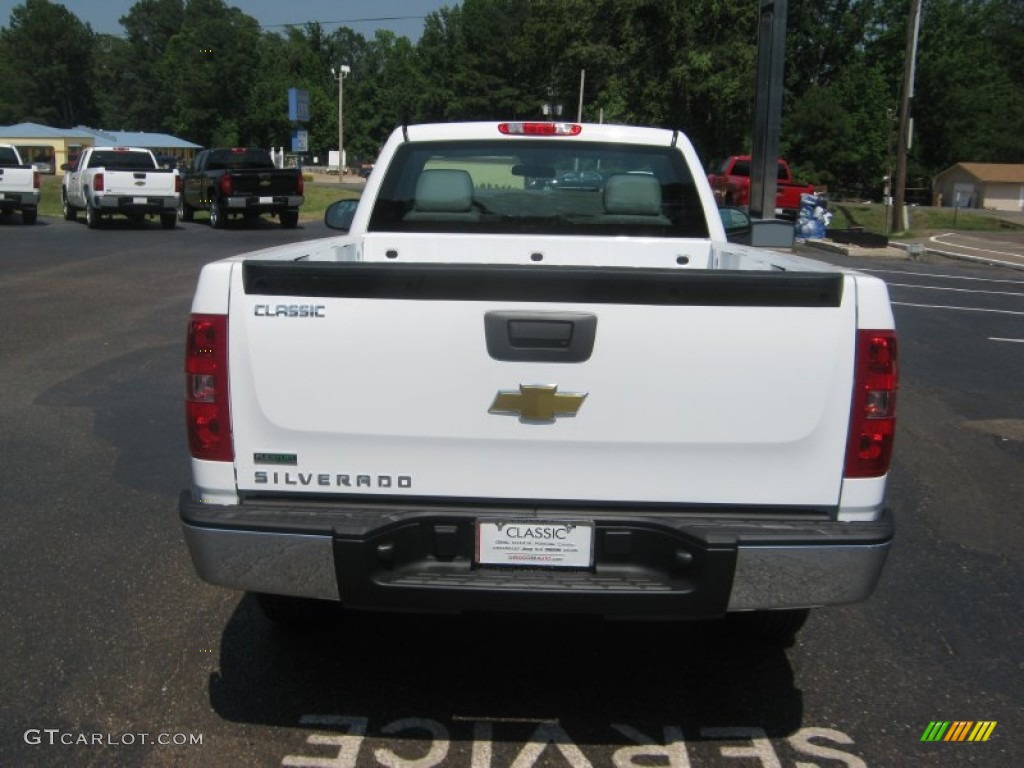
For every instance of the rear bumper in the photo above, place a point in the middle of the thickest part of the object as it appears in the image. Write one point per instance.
(129, 204)
(420, 558)
(13, 201)
(261, 204)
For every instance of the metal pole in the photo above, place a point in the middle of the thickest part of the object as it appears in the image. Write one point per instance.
(341, 129)
(907, 93)
(579, 112)
(343, 70)
(771, 44)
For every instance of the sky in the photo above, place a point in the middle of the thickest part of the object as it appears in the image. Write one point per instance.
(403, 17)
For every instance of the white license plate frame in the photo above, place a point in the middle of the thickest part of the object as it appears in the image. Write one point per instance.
(535, 543)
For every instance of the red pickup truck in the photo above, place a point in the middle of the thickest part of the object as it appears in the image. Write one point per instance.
(731, 186)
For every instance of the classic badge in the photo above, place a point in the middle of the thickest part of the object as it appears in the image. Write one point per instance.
(537, 403)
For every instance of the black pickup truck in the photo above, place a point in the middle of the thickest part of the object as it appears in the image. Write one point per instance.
(239, 180)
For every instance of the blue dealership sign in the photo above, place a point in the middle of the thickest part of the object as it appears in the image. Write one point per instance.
(298, 105)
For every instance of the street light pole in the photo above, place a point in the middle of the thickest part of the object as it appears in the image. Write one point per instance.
(906, 99)
(340, 75)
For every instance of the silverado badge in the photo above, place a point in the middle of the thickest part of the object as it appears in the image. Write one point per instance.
(537, 403)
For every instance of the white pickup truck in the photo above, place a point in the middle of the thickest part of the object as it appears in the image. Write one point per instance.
(19, 185)
(535, 375)
(120, 180)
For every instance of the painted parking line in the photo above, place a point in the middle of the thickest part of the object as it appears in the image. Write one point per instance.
(959, 309)
(1009, 259)
(942, 277)
(957, 290)
(938, 239)
(1009, 341)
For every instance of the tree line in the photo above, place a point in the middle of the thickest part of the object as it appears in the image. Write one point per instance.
(207, 72)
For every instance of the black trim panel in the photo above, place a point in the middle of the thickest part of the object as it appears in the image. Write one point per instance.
(541, 337)
(582, 285)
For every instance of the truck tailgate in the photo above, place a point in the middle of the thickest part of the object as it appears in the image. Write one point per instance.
(154, 182)
(275, 182)
(561, 384)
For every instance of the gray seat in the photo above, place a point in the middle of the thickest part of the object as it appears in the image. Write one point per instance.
(633, 198)
(443, 195)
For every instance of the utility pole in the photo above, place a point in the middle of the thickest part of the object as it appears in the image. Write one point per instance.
(906, 97)
(339, 75)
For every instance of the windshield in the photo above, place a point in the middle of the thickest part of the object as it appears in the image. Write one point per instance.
(119, 160)
(239, 160)
(542, 186)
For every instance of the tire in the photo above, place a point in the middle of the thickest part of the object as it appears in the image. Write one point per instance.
(184, 210)
(29, 217)
(168, 220)
(289, 219)
(775, 627)
(70, 212)
(297, 612)
(216, 215)
(92, 216)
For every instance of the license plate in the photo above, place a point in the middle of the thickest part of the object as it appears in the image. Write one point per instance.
(535, 543)
(140, 200)
(266, 200)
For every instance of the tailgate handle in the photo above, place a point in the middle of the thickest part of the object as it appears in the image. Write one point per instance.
(541, 337)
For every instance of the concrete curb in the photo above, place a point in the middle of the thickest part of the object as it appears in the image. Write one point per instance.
(965, 256)
(910, 251)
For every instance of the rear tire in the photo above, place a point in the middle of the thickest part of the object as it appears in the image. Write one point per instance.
(92, 216)
(289, 219)
(168, 220)
(769, 626)
(216, 215)
(70, 212)
(29, 217)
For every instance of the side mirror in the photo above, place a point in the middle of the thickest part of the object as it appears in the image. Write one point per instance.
(339, 214)
(67, 166)
(737, 224)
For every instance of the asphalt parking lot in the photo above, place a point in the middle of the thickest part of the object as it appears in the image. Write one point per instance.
(114, 653)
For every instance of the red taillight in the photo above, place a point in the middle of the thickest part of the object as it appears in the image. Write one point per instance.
(37, 181)
(227, 185)
(97, 182)
(206, 388)
(300, 186)
(873, 414)
(177, 183)
(540, 129)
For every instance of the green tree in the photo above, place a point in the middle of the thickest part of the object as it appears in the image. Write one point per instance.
(838, 134)
(207, 67)
(46, 57)
(143, 95)
(969, 101)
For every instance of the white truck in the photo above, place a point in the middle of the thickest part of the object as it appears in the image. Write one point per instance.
(502, 390)
(126, 181)
(19, 185)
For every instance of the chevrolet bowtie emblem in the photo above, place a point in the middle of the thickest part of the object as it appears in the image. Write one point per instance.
(537, 403)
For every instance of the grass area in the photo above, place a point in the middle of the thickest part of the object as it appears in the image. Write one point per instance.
(318, 197)
(873, 217)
